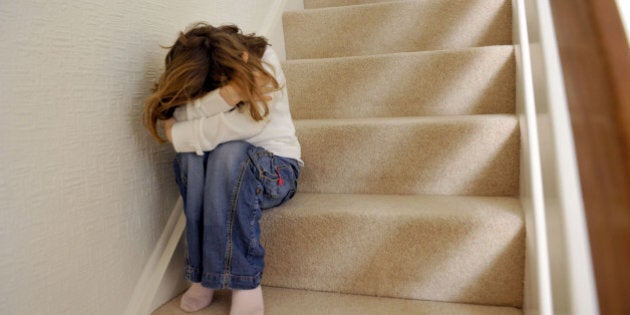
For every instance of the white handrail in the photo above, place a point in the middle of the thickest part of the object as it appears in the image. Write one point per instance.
(537, 291)
(572, 282)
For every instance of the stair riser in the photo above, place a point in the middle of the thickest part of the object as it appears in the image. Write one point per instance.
(441, 156)
(397, 27)
(474, 256)
(475, 81)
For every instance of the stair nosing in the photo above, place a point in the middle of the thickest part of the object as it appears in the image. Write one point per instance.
(355, 6)
(403, 208)
(407, 119)
(459, 50)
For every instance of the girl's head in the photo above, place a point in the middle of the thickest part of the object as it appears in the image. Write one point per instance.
(205, 58)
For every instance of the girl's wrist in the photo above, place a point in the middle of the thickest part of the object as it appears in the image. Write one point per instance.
(229, 95)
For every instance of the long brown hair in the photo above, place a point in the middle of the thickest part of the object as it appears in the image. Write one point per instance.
(203, 59)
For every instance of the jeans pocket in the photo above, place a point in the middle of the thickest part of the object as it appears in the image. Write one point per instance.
(278, 183)
(268, 173)
(277, 178)
(280, 187)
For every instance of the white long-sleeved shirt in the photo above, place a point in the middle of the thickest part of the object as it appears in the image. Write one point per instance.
(209, 121)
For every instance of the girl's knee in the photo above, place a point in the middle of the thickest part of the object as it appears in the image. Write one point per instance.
(187, 162)
(229, 155)
(229, 151)
(232, 148)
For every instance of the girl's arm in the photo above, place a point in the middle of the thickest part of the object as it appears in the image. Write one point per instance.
(206, 133)
(225, 98)
(216, 101)
(209, 121)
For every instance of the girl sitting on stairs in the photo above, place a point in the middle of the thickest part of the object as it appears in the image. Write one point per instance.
(223, 101)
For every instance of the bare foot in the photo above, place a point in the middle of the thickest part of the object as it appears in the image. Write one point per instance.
(247, 302)
(196, 298)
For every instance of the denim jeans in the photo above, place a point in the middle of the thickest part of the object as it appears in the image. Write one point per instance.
(224, 193)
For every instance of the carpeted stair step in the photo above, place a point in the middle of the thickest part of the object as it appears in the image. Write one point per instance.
(279, 301)
(437, 155)
(315, 4)
(454, 82)
(400, 26)
(441, 248)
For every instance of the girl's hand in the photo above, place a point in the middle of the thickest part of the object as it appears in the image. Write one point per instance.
(232, 94)
(168, 126)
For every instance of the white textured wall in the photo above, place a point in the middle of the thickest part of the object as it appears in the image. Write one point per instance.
(85, 192)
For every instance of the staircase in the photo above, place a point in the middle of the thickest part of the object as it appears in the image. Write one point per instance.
(408, 201)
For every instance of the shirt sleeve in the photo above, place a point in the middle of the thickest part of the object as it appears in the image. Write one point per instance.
(213, 103)
(208, 105)
(206, 133)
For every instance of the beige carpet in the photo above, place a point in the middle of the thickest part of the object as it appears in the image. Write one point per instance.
(396, 27)
(442, 248)
(457, 82)
(452, 155)
(280, 301)
(405, 113)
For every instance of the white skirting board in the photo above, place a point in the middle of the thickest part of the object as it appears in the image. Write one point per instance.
(160, 260)
(172, 282)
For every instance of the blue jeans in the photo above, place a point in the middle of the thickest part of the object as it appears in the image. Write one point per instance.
(224, 193)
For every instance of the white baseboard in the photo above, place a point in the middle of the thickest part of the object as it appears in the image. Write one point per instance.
(148, 285)
(173, 283)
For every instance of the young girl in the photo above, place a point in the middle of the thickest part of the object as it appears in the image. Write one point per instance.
(223, 101)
